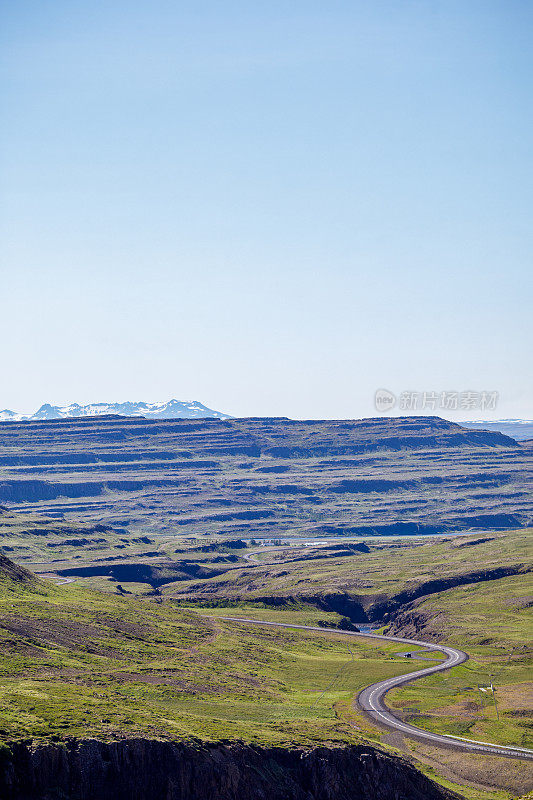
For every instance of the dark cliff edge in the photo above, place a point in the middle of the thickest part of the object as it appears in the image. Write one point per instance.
(357, 608)
(140, 769)
(390, 608)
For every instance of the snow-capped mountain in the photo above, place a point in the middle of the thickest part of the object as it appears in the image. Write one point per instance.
(6, 415)
(174, 409)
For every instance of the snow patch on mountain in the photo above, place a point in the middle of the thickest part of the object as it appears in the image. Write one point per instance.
(7, 415)
(174, 409)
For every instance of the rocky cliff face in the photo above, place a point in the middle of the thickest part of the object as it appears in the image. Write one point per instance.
(154, 770)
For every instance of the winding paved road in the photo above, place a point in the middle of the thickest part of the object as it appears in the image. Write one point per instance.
(372, 702)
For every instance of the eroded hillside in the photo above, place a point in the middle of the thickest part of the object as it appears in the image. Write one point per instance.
(267, 477)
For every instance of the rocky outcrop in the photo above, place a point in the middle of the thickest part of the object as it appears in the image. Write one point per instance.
(413, 622)
(141, 769)
(156, 575)
(386, 609)
(27, 490)
(365, 608)
(12, 574)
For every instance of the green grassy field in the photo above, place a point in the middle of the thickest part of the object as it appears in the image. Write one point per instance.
(298, 613)
(368, 576)
(76, 663)
(43, 543)
(493, 621)
(46, 545)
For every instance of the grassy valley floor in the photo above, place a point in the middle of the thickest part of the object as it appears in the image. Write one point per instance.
(75, 662)
(78, 663)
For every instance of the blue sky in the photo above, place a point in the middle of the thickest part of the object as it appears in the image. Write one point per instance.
(274, 208)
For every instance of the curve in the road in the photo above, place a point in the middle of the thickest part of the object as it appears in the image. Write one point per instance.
(372, 702)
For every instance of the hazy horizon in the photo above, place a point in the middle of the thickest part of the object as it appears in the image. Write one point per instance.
(456, 416)
(273, 210)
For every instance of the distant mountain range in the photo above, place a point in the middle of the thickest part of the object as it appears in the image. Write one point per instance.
(174, 409)
(519, 429)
